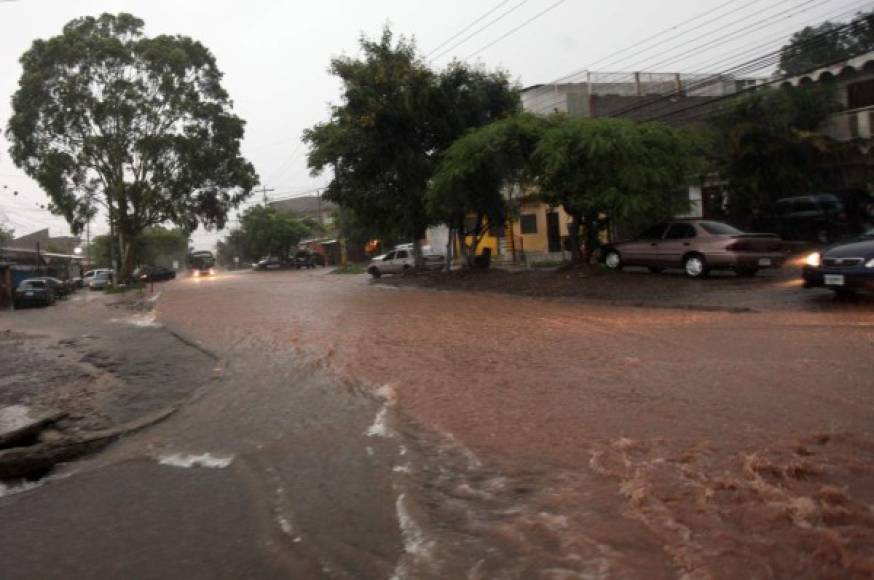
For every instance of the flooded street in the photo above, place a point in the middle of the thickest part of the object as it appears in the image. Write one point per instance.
(346, 429)
(553, 439)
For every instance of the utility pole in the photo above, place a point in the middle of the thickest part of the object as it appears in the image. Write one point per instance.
(264, 192)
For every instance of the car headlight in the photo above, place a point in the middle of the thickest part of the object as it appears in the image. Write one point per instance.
(814, 260)
(870, 263)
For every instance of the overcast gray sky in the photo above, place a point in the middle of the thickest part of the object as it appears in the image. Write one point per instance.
(275, 56)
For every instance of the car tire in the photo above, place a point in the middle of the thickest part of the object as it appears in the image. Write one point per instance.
(656, 269)
(747, 272)
(374, 271)
(695, 266)
(613, 260)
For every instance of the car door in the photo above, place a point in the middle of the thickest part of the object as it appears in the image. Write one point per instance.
(643, 251)
(402, 258)
(676, 243)
(387, 266)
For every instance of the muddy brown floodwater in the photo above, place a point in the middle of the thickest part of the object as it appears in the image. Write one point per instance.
(554, 439)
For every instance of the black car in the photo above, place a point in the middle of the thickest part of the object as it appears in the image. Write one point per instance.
(34, 291)
(269, 263)
(844, 268)
(154, 274)
(304, 259)
(61, 288)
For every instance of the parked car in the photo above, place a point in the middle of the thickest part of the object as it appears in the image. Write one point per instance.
(61, 288)
(33, 291)
(89, 275)
(399, 261)
(813, 218)
(100, 280)
(269, 263)
(844, 268)
(304, 259)
(697, 246)
(154, 273)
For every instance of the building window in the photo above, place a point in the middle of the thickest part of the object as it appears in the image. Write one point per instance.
(528, 223)
(860, 94)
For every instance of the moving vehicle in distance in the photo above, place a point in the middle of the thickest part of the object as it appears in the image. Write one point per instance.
(33, 291)
(844, 268)
(269, 263)
(697, 246)
(201, 263)
(154, 273)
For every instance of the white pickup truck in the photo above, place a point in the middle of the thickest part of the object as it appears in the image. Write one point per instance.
(399, 261)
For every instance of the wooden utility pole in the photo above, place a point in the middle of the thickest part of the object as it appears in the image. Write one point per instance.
(264, 192)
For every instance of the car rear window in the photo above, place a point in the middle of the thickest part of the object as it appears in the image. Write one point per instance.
(34, 284)
(719, 229)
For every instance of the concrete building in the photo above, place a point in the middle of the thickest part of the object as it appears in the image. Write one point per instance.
(309, 206)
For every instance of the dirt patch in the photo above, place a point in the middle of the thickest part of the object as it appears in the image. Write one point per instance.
(722, 291)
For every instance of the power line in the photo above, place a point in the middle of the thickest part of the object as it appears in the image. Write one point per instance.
(481, 29)
(466, 28)
(588, 67)
(759, 63)
(516, 29)
(712, 44)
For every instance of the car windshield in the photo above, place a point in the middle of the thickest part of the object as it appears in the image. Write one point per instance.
(719, 229)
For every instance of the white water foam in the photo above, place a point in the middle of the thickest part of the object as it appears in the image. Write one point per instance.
(187, 461)
(13, 489)
(147, 320)
(416, 545)
(379, 428)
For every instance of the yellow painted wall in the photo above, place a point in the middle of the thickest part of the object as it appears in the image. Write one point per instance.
(539, 242)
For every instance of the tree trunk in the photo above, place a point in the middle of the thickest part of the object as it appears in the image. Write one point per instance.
(126, 254)
(591, 237)
(417, 252)
(448, 257)
(573, 231)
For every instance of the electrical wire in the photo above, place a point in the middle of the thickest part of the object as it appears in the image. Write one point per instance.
(466, 28)
(481, 29)
(725, 39)
(516, 29)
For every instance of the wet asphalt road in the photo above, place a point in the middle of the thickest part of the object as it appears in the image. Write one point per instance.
(361, 431)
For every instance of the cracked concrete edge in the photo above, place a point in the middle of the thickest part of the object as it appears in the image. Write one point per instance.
(19, 462)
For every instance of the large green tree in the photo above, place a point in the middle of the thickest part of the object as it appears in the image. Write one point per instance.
(396, 117)
(471, 190)
(766, 145)
(266, 232)
(6, 234)
(142, 126)
(616, 168)
(827, 43)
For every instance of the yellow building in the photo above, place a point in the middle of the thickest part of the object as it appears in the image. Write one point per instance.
(539, 233)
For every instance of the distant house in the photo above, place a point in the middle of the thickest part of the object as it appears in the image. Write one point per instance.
(310, 206)
(39, 254)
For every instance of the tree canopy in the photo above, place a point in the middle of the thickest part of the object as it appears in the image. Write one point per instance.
(477, 173)
(829, 42)
(618, 168)
(264, 231)
(396, 117)
(6, 234)
(142, 126)
(766, 144)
